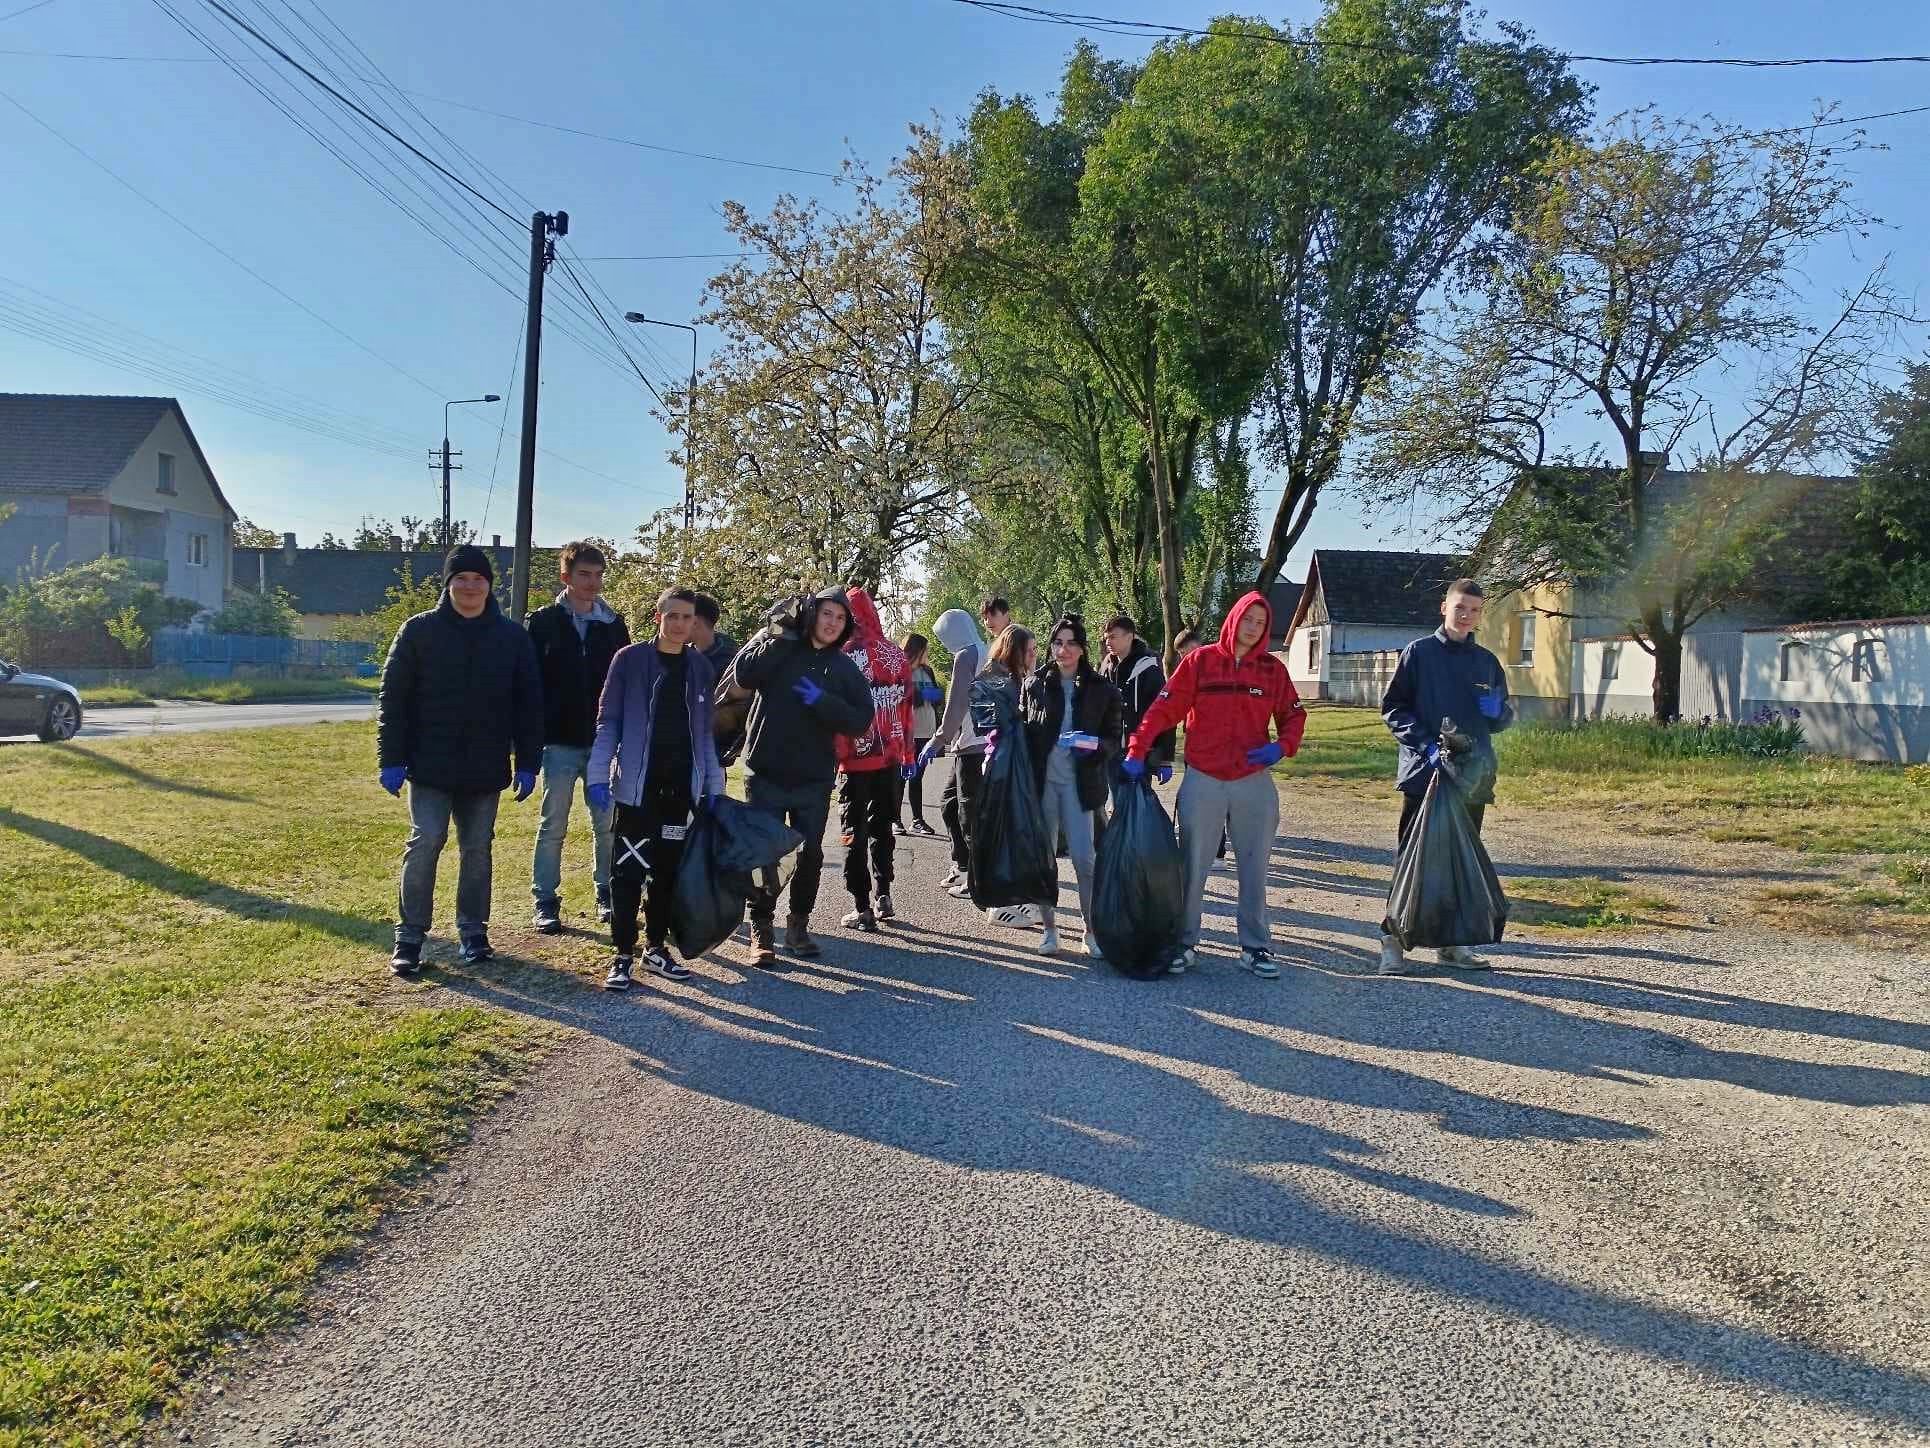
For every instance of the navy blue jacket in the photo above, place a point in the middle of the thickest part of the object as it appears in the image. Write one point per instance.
(1436, 679)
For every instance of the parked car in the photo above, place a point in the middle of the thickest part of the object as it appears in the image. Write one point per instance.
(37, 704)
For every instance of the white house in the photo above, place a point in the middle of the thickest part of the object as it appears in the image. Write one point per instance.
(89, 477)
(1361, 602)
(1863, 687)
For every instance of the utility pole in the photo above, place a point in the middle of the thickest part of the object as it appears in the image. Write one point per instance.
(542, 251)
(443, 454)
(690, 422)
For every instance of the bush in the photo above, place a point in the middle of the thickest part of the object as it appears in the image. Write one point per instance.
(1770, 734)
(268, 615)
(101, 614)
(405, 600)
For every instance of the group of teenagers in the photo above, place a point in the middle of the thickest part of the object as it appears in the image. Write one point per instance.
(822, 703)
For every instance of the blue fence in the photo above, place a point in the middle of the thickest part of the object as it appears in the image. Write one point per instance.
(220, 656)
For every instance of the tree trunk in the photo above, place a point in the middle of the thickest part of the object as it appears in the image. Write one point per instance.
(1167, 526)
(1667, 642)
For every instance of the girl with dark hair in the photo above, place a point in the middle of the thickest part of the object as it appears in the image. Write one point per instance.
(926, 696)
(1071, 717)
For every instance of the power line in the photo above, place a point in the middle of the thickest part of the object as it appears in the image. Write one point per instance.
(215, 246)
(16, 14)
(1115, 25)
(698, 255)
(502, 428)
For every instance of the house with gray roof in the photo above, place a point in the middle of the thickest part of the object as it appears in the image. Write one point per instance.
(331, 587)
(1359, 602)
(92, 477)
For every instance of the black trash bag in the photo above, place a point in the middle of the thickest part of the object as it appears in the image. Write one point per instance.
(751, 839)
(1138, 884)
(707, 901)
(1445, 890)
(1012, 859)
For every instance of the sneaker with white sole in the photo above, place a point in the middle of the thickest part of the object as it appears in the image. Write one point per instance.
(886, 910)
(1017, 917)
(1181, 963)
(659, 961)
(860, 919)
(1459, 957)
(619, 977)
(960, 891)
(953, 876)
(1260, 962)
(1049, 942)
(1093, 952)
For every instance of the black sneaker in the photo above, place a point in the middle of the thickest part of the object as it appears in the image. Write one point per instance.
(659, 961)
(549, 917)
(619, 977)
(919, 827)
(886, 910)
(407, 960)
(475, 949)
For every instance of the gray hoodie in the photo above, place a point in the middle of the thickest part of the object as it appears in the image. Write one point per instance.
(957, 632)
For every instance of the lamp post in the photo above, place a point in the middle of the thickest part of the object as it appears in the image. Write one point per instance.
(690, 419)
(454, 402)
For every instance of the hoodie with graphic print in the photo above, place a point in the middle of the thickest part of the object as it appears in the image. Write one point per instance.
(888, 742)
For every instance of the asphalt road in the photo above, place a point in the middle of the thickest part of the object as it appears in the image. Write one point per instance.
(1661, 1187)
(182, 717)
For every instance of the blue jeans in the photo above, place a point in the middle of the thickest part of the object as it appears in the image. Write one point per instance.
(565, 768)
(430, 811)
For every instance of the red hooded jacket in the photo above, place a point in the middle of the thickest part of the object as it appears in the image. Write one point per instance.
(888, 743)
(1226, 703)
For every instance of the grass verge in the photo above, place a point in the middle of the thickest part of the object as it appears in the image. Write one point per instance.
(1812, 804)
(207, 1083)
(222, 691)
(1585, 903)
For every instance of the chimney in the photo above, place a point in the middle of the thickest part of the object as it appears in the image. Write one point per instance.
(495, 540)
(288, 546)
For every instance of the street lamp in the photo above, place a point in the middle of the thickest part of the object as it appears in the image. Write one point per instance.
(455, 402)
(690, 419)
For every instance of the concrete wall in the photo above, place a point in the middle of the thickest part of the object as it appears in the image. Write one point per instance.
(1863, 689)
(191, 510)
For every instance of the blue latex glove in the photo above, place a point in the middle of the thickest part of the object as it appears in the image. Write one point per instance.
(807, 690)
(910, 771)
(599, 797)
(926, 756)
(525, 784)
(1432, 754)
(393, 778)
(1132, 768)
(931, 693)
(1266, 755)
(1491, 702)
(1164, 774)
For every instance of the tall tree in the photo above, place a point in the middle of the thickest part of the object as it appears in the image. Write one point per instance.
(1652, 262)
(407, 534)
(1884, 569)
(833, 435)
(249, 534)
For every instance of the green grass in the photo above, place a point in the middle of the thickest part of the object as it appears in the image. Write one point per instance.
(1584, 903)
(1809, 803)
(222, 691)
(208, 1084)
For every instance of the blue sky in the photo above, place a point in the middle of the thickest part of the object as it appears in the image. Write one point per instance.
(798, 85)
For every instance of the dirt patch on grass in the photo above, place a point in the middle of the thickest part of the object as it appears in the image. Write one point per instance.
(1587, 903)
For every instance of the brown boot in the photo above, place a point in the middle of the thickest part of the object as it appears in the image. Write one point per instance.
(764, 941)
(797, 937)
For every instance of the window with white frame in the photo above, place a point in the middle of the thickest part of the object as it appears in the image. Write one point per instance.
(1611, 663)
(197, 550)
(164, 473)
(1525, 636)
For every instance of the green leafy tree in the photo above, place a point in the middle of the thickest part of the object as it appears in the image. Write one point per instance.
(249, 534)
(408, 597)
(1884, 569)
(82, 615)
(1652, 261)
(261, 615)
(407, 534)
(125, 629)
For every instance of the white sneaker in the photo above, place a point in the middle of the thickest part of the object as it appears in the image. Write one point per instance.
(1393, 961)
(1018, 917)
(960, 891)
(1049, 943)
(1181, 963)
(1260, 962)
(1093, 952)
(955, 876)
(1459, 957)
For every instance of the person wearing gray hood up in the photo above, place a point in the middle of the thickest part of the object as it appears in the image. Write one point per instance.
(957, 632)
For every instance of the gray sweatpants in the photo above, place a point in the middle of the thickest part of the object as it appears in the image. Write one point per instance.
(1063, 811)
(1248, 810)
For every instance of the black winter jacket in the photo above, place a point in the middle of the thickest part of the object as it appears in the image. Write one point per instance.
(573, 670)
(1438, 679)
(787, 741)
(457, 695)
(1139, 677)
(1095, 711)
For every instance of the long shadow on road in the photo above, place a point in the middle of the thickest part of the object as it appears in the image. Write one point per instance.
(1082, 1076)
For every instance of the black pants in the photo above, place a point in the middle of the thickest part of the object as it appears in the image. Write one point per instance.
(643, 868)
(915, 787)
(867, 805)
(805, 808)
(1411, 811)
(957, 804)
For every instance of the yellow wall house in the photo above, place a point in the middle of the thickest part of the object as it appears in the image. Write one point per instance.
(1532, 632)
